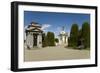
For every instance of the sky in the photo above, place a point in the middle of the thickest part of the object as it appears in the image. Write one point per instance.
(54, 21)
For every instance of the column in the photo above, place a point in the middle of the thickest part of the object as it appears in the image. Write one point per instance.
(39, 40)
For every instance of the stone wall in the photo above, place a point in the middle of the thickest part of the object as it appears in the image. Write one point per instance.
(63, 40)
(39, 40)
(29, 40)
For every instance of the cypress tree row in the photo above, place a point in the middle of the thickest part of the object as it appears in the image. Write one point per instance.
(79, 37)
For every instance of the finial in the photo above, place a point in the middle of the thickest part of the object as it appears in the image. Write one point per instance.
(63, 28)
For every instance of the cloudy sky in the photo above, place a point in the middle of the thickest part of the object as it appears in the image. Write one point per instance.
(52, 21)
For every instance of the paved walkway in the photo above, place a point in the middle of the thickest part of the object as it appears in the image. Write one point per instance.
(55, 53)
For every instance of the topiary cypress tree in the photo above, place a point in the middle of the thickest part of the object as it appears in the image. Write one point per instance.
(73, 39)
(86, 34)
(50, 39)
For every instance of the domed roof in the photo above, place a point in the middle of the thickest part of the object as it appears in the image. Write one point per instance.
(62, 32)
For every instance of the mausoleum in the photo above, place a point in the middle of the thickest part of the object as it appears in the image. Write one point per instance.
(63, 37)
(33, 36)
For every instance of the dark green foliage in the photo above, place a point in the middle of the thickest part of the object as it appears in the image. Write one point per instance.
(73, 39)
(86, 34)
(50, 39)
(56, 40)
(68, 41)
(44, 41)
(79, 37)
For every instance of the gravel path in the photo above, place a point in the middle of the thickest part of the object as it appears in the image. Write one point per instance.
(55, 53)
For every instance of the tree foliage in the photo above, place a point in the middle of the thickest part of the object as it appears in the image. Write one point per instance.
(56, 40)
(44, 41)
(86, 34)
(80, 37)
(73, 39)
(49, 39)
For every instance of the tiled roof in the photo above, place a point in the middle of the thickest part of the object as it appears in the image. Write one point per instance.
(34, 26)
